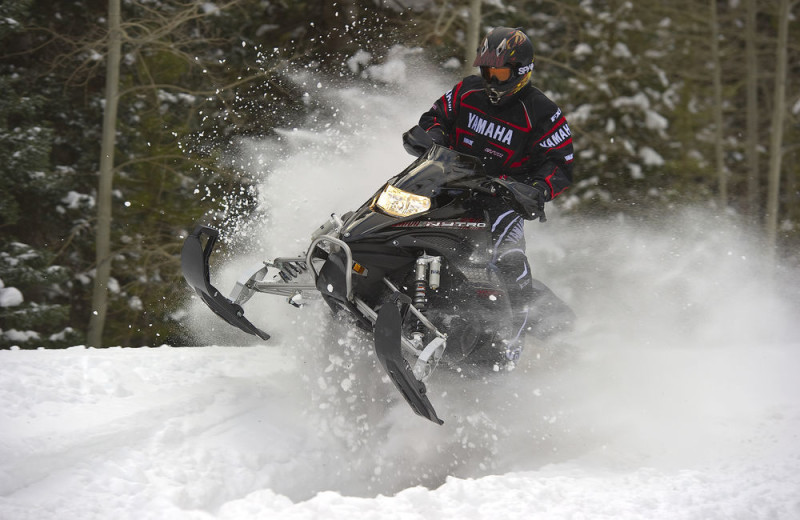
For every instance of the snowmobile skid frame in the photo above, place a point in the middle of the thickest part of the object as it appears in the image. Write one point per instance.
(386, 321)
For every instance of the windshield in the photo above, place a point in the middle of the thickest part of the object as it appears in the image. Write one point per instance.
(440, 168)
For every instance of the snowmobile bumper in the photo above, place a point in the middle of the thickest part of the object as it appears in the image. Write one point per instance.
(194, 264)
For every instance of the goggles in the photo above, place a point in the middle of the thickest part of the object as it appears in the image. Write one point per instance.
(501, 74)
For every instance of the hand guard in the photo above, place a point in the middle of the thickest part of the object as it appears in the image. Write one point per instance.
(417, 141)
(527, 200)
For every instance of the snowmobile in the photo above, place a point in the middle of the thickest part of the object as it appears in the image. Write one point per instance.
(410, 266)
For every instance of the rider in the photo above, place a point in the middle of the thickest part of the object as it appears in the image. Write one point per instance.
(524, 140)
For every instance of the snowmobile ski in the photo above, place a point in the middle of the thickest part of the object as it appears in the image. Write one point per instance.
(194, 264)
(387, 347)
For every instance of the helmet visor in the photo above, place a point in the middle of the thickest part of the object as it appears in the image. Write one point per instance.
(500, 74)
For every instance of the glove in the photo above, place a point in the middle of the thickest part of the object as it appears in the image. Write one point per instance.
(527, 200)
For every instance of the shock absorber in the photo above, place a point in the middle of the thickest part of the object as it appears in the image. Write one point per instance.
(420, 299)
(434, 274)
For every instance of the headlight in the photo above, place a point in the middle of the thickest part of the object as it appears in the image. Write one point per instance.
(399, 203)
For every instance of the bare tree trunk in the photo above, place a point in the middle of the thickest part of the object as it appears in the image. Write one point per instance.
(776, 131)
(718, 134)
(103, 231)
(753, 195)
(791, 185)
(473, 36)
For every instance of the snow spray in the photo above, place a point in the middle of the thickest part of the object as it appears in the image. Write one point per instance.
(672, 361)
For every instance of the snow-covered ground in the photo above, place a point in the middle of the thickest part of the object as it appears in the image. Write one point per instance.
(617, 425)
(677, 396)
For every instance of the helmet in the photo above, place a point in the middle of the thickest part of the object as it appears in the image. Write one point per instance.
(505, 47)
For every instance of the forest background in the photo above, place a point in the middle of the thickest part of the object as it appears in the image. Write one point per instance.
(670, 104)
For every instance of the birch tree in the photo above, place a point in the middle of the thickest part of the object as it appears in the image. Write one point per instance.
(751, 110)
(103, 227)
(473, 36)
(778, 120)
(719, 160)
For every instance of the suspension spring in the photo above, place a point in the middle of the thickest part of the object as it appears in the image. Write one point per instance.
(420, 299)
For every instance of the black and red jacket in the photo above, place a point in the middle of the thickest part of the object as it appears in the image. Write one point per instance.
(525, 138)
